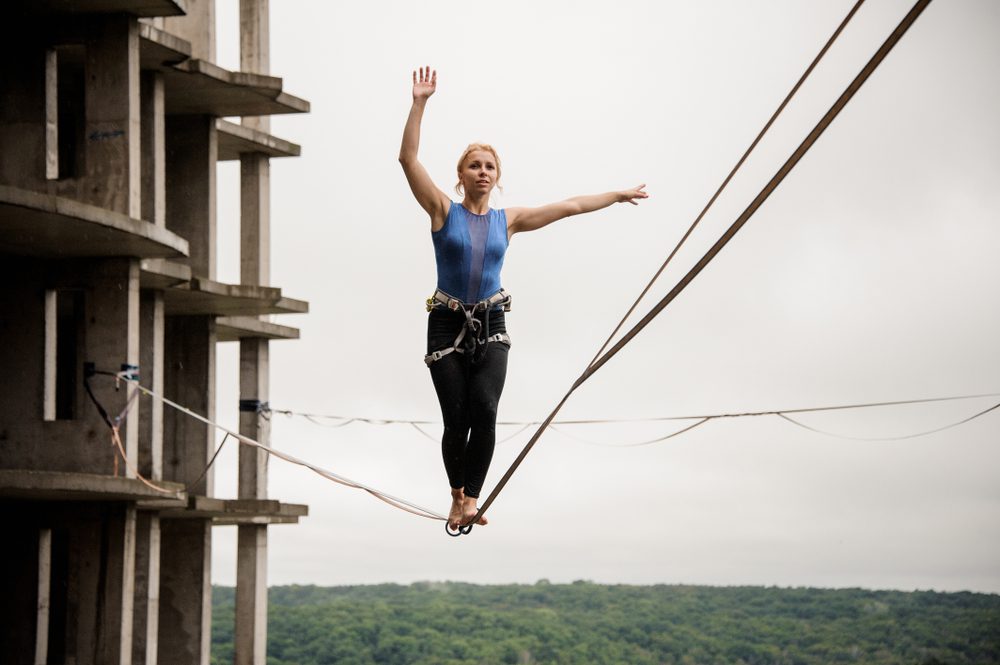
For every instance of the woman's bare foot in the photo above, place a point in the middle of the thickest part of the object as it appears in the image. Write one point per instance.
(470, 510)
(457, 513)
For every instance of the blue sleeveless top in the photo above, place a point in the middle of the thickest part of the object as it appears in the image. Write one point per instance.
(469, 249)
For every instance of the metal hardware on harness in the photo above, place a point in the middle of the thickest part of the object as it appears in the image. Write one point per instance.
(472, 324)
(440, 298)
(462, 530)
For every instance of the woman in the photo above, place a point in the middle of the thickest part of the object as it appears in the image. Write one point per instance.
(467, 342)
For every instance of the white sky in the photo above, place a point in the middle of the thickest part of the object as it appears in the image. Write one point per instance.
(871, 274)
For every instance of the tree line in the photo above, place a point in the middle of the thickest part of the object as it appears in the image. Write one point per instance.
(452, 623)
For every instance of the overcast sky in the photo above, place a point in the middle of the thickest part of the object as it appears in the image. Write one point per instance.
(870, 274)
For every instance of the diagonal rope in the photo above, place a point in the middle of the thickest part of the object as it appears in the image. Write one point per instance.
(396, 502)
(732, 172)
(786, 168)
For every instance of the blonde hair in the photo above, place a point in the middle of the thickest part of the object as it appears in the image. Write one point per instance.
(485, 147)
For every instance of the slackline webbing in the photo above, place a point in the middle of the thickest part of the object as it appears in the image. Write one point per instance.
(807, 143)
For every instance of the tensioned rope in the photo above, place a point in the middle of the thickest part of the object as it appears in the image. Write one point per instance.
(116, 423)
(557, 425)
(396, 502)
(601, 360)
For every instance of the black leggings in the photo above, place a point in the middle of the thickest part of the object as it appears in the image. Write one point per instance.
(468, 393)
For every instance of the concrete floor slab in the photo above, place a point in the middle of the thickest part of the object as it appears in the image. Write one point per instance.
(145, 8)
(202, 296)
(159, 49)
(234, 328)
(63, 486)
(43, 225)
(236, 139)
(201, 87)
(238, 511)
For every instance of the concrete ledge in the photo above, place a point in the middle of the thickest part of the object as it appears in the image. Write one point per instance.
(159, 49)
(235, 140)
(58, 485)
(146, 8)
(36, 224)
(235, 328)
(238, 511)
(162, 274)
(201, 87)
(202, 296)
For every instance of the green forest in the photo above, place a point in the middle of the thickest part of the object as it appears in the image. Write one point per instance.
(464, 624)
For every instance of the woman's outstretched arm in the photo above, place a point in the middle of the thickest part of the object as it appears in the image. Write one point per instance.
(430, 198)
(531, 219)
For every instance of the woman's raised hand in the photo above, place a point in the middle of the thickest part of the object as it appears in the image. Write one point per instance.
(424, 83)
(630, 195)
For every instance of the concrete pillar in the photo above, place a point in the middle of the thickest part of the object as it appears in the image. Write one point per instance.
(147, 589)
(254, 371)
(151, 330)
(189, 379)
(100, 597)
(154, 179)
(251, 595)
(44, 587)
(255, 49)
(22, 115)
(255, 219)
(19, 558)
(255, 267)
(196, 26)
(192, 150)
(112, 126)
(111, 337)
(185, 635)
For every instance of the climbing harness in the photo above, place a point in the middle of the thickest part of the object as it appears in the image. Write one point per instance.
(475, 332)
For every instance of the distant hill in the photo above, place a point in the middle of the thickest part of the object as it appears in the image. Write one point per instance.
(593, 624)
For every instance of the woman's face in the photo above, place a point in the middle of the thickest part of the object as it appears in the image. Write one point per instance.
(479, 172)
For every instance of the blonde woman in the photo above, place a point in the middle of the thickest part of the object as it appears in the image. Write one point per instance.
(467, 340)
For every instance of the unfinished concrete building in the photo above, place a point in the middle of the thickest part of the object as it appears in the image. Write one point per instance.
(111, 125)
